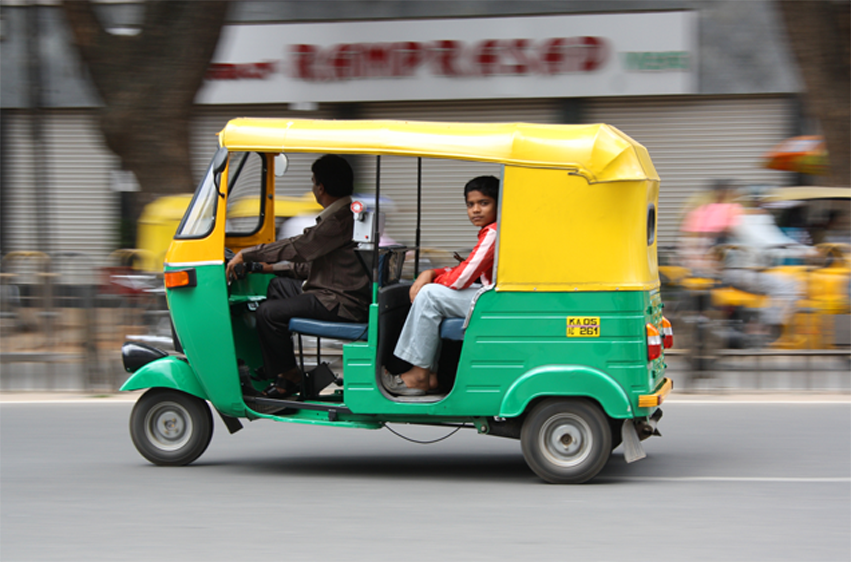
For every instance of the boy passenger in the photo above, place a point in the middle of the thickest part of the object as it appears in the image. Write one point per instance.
(444, 293)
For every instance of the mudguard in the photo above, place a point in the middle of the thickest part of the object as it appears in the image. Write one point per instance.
(566, 380)
(168, 372)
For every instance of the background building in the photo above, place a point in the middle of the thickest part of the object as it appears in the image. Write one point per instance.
(707, 86)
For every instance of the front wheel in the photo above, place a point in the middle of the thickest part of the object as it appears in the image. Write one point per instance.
(170, 428)
(566, 441)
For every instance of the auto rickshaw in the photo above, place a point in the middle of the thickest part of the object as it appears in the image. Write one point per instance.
(564, 352)
(822, 317)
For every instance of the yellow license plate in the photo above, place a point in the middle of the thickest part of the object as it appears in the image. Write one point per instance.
(583, 326)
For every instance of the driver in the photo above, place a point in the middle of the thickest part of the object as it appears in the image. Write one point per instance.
(322, 277)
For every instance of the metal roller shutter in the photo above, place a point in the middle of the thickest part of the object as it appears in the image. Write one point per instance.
(694, 140)
(83, 207)
(19, 199)
(444, 220)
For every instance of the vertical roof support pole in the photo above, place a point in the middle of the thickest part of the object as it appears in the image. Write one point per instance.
(375, 230)
(419, 215)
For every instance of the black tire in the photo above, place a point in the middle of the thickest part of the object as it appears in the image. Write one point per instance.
(171, 428)
(566, 441)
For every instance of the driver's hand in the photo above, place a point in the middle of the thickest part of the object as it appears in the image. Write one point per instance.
(458, 257)
(230, 274)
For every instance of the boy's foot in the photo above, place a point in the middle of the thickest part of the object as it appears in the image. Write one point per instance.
(395, 385)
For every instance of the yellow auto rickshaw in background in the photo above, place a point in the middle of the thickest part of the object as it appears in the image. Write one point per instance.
(160, 219)
(789, 250)
(156, 228)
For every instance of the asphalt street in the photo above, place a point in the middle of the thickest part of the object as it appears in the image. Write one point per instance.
(729, 480)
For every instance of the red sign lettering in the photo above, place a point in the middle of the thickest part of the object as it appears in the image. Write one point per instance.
(445, 55)
(448, 58)
(573, 54)
(304, 57)
(254, 70)
(487, 57)
(522, 63)
(407, 56)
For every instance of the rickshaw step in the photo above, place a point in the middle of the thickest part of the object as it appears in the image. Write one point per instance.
(296, 405)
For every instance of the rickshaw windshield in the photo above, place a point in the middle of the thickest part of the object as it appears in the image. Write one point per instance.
(246, 192)
(201, 214)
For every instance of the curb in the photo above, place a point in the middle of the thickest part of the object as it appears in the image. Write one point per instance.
(38, 397)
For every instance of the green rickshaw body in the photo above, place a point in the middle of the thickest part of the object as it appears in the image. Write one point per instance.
(514, 352)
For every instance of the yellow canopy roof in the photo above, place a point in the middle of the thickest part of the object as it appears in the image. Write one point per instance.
(599, 153)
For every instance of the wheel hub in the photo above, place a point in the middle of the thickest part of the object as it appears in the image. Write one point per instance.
(168, 426)
(566, 440)
(172, 426)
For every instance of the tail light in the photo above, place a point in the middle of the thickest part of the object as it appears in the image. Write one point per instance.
(667, 333)
(654, 343)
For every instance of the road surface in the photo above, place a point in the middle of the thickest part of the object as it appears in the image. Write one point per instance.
(729, 480)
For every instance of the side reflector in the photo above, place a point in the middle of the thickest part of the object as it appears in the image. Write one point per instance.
(667, 333)
(181, 278)
(654, 343)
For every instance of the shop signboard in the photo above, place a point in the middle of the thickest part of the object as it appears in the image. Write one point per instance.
(465, 58)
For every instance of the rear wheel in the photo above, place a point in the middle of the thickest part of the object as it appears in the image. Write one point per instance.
(566, 441)
(170, 428)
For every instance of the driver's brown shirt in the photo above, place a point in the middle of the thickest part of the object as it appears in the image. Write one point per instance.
(325, 257)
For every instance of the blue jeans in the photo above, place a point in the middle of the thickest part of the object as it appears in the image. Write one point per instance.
(419, 342)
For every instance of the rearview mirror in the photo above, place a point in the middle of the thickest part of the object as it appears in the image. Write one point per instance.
(220, 159)
(281, 164)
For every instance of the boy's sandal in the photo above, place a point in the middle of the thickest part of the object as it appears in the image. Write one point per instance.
(395, 385)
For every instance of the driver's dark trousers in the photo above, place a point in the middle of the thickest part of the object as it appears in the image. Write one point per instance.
(285, 300)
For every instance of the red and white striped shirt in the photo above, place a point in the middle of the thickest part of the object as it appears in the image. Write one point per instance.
(479, 264)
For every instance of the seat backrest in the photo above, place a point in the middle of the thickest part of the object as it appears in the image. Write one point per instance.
(390, 262)
(394, 302)
(391, 259)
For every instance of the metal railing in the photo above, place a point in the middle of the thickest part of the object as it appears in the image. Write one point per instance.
(63, 319)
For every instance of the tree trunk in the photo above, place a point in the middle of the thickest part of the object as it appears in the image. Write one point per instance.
(819, 35)
(147, 83)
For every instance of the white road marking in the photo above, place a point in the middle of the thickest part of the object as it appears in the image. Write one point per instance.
(768, 479)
